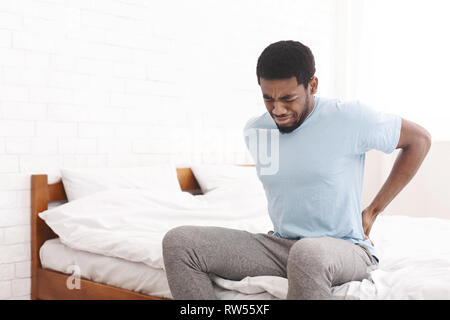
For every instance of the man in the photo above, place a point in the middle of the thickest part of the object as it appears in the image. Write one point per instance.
(321, 236)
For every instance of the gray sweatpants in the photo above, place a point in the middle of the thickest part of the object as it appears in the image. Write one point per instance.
(311, 265)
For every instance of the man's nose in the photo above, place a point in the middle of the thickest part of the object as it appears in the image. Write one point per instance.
(278, 109)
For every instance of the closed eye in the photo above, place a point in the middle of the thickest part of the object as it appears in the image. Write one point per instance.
(285, 99)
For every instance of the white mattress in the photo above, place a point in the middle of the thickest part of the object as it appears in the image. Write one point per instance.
(135, 276)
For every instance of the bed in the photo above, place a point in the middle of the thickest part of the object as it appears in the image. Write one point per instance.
(50, 284)
(415, 261)
(53, 263)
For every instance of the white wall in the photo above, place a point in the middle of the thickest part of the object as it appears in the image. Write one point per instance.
(127, 83)
(426, 195)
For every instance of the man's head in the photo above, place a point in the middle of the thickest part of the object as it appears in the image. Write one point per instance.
(285, 72)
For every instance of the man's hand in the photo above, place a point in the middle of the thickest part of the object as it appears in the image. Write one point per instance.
(368, 218)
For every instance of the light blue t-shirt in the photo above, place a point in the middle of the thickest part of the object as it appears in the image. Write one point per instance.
(313, 176)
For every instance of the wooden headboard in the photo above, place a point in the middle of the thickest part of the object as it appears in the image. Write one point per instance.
(42, 193)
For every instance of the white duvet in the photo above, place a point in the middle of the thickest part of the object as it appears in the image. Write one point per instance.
(130, 224)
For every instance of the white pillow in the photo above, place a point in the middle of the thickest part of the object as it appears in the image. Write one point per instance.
(83, 182)
(211, 177)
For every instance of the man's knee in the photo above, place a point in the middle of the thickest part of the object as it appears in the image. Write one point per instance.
(309, 254)
(178, 237)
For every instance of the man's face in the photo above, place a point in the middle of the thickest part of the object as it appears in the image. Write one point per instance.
(287, 102)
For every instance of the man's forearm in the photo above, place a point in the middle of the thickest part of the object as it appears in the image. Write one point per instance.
(405, 167)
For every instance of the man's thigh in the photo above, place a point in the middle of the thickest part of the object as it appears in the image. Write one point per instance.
(228, 253)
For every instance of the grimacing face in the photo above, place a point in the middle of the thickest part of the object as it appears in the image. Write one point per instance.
(287, 102)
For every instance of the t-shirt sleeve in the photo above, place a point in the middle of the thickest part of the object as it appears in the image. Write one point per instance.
(377, 130)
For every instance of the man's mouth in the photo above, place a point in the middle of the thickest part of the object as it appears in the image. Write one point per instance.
(283, 120)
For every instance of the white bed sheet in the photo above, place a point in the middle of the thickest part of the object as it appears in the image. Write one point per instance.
(414, 253)
(135, 276)
(128, 226)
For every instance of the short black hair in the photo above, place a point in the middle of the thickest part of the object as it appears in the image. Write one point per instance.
(285, 59)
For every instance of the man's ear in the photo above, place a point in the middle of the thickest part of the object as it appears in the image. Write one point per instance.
(313, 84)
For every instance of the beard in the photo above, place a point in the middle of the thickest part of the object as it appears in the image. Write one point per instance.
(299, 121)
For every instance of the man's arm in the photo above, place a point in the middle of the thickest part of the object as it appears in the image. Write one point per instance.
(415, 142)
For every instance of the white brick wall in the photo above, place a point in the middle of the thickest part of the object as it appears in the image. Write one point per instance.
(125, 83)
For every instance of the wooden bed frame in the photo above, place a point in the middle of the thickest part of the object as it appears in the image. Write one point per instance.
(48, 284)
